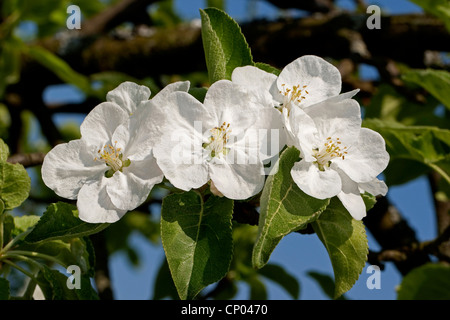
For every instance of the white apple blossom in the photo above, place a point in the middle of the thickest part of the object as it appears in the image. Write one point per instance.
(110, 169)
(339, 158)
(217, 141)
(302, 83)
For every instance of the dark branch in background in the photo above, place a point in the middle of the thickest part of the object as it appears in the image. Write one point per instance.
(402, 254)
(179, 50)
(27, 159)
(323, 6)
(392, 232)
(134, 11)
(442, 209)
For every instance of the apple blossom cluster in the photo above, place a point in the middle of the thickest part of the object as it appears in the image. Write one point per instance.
(130, 143)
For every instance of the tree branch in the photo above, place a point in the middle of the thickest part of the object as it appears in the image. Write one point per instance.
(402, 254)
(126, 10)
(442, 209)
(27, 159)
(392, 232)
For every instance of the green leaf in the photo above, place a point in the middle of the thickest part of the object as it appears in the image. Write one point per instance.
(4, 151)
(326, 283)
(219, 4)
(8, 227)
(59, 67)
(4, 289)
(439, 8)
(10, 63)
(77, 251)
(54, 286)
(268, 68)
(424, 144)
(164, 286)
(400, 171)
(198, 93)
(257, 288)
(283, 278)
(346, 243)
(23, 223)
(197, 240)
(284, 208)
(388, 104)
(436, 82)
(428, 282)
(164, 15)
(60, 221)
(15, 184)
(224, 44)
(369, 200)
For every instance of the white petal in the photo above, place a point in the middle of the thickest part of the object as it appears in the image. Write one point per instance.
(256, 79)
(318, 184)
(100, 124)
(342, 96)
(130, 188)
(183, 111)
(230, 103)
(367, 159)
(160, 98)
(141, 132)
(128, 95)
(337, 119)
(354, 203)
(271, 133)
(323, 80)
(180, 157)
(375, 187)
(304, 134)
(237, 181)
(351, 197)
(68, 166)
(94, 204)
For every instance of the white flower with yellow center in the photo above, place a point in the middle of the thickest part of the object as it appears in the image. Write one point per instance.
(111, 169)
(217, 141)
(302, 83)
(339, 158)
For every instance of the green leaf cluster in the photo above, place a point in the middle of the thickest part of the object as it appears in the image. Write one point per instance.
(57, 237)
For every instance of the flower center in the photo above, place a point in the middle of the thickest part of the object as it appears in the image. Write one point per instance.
(294, 95)
(218, 140)
(331, 149)
(113, 158)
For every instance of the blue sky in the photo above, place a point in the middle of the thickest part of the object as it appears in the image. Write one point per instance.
(297, 253)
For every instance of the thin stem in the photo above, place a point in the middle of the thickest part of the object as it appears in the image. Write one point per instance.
(31, 287)
(14, 265)
(10, 244)
(35, 255)
(1, 229)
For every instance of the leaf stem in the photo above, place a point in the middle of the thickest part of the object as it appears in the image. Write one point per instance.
(440, 171)
(14, 265)
(34, 254)
(1, 225)
(10, 244)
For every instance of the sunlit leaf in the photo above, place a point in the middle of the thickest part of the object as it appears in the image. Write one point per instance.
(224, 44)
(284, 208)
(60, 221)
(428, 282)
(197, 240)
(346, 243)
(436, 82)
